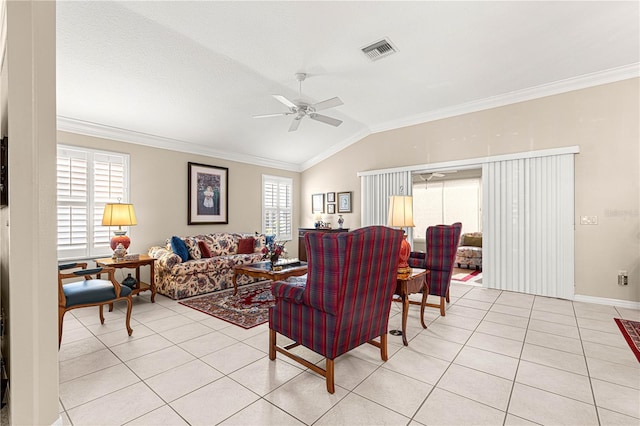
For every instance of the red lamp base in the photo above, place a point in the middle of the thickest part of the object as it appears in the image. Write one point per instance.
(405, 251)
(120, 237)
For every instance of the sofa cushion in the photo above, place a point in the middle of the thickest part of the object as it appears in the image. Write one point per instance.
(246, 245)
(180, 248)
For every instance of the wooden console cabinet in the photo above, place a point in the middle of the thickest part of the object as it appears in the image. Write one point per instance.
(302, 249)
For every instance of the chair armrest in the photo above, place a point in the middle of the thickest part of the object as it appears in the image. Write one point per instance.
(287, 291)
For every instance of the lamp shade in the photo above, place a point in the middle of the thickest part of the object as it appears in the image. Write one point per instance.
(401, 210)
(117, 214)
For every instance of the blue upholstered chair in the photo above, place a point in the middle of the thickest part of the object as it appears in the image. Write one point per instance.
(346, 299)
(89, 291)
(442, 244)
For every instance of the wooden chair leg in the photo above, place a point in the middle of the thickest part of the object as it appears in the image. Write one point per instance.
(442, 310)
(329, 373)
(61, 312)
(383, 347)
(447, 295)
(101, 315)
(425, 293)
(128, 322)
(272, 344)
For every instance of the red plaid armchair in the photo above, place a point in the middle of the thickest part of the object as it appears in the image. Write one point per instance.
(442, 244)
(346, 299)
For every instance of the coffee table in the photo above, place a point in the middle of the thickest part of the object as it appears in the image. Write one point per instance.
(264, 270)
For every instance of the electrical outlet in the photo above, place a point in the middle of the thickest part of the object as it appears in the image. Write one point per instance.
(588, 220)
(623, 278)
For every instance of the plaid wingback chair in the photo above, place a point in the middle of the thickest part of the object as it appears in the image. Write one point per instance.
(346, 299)
(442, 244)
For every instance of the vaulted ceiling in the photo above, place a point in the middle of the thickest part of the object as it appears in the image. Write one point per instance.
(190, 75)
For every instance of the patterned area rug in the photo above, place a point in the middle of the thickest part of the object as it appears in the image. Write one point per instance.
(247, 309)
(631, 332)
(467, 275)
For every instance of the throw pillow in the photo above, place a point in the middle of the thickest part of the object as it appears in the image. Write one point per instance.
(180, 248)
(473, 241)
(192, 247)
(204, 249)
(245, 245)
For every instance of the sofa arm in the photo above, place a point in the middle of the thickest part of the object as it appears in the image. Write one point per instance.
(166, 258)
(291, 292)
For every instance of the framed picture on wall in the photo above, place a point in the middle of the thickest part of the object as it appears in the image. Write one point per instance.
(331, 208)
(344, 202)
(331, 197)
(208, 190)
(317, 203)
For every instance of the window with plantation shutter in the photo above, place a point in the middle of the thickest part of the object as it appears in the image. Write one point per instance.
(86, 180)
(277, 211)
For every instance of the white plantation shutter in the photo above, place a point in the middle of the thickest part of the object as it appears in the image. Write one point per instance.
(87, 180)
(277, 211)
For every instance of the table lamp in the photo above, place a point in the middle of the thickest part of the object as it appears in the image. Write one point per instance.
(401, 215)
(119, 214)
(318, 218)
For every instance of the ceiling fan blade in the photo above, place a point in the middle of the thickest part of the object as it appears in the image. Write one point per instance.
(294, 124)
(275, 114)
(329, 103)
(285, 101)
(329, 120)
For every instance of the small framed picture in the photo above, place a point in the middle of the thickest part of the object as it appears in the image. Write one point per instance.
(331, 208)
(317, 203)
(344, 202)
(331, 197)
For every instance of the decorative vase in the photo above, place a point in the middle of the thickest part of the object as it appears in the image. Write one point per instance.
(340, 221)
(129, 281)
(274, 259)
(119, 252)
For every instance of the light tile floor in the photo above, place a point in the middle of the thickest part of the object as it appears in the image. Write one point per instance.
(496, 358)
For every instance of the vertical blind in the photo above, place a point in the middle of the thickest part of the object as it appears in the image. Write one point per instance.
(376, 190)
(87, 180)
(277, 210)
(528, 240)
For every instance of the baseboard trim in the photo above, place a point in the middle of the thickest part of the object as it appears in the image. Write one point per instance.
(604, 301)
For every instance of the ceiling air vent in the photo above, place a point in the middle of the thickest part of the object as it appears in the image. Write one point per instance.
(379, 50)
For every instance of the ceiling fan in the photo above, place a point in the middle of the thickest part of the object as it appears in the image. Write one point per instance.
(427, 177)
(301, 109)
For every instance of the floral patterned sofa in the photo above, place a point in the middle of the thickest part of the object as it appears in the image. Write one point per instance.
(199, 274)
(469, 252)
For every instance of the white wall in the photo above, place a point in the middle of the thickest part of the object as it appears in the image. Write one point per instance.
(602, 121)
(27, 229)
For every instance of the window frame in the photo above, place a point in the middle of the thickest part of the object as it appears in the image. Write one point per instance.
(278, 180)
(91, 249)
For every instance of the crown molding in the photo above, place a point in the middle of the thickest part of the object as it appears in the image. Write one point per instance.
(562, 86)
(72, 125)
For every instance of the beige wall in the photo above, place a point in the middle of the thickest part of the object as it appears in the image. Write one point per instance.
(159, 192)
(602, 121)
(27, 231)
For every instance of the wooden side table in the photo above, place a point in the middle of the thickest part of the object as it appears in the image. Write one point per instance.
(409, 284)
(143, 260)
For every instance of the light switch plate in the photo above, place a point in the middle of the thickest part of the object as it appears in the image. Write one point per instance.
(588, 220)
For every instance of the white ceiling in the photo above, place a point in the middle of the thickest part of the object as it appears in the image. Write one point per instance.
(190, 75)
